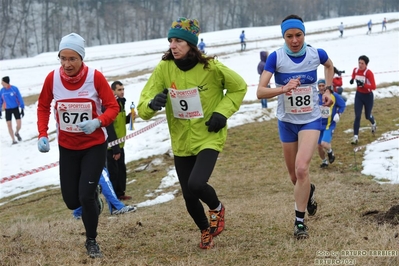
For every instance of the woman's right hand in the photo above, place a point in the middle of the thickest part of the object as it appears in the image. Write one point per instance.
(291, 85)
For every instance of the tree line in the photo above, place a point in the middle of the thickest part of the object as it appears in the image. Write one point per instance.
(31, 27)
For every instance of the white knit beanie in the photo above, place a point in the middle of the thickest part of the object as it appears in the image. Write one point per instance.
(74, 42)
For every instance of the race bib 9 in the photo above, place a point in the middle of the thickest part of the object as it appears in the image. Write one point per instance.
(186, 104)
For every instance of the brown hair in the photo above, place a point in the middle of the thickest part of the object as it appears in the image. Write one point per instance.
(292, 17)
(193, 53)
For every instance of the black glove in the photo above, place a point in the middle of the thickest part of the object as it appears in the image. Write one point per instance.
(351, 81)
(116, 149)
(359, 83)
(159, 101)
(22, 112)
(216, 122)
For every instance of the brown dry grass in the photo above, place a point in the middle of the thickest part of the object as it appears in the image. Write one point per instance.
(252, 182)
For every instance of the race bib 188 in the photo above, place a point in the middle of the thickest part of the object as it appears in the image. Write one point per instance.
(300, 101)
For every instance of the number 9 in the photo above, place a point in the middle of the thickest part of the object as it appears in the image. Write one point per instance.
(184, 105)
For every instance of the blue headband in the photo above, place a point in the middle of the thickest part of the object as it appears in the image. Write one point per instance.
(292, 24)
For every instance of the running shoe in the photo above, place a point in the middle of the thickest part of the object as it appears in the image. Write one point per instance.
(324, 164)
(216, 221)
(331, 156)
(301, 231)
(374, 127)
(126, 209)
(312, 204)
(93, 250)
(14, 142)
(206, 239)
(18, 136)
(354, 140)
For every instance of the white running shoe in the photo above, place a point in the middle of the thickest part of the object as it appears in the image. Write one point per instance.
(374, 127)
(126, 209)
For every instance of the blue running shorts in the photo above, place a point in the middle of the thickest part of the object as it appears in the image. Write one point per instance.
(289, 132)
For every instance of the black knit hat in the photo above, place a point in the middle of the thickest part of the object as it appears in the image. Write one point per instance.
(6, 79)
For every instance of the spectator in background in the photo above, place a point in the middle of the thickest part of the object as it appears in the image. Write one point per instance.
(384, 24)
(337, 82)
(341, 29)
(261, 67)
(199, 94)
(201, 46)
(369, 25)
(114, 205)
(12, 99)
(116, 154)
(78, 92)
(364, 96)
(329, 117)
(242, 40)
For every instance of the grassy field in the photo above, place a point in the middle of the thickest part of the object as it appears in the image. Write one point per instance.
(357, 217)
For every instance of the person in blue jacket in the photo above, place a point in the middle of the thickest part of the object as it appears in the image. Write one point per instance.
(201, 46)
(115, 206)
(329, 118)
(384, 24)
(242, 41)
(369, 25)
(12, 99)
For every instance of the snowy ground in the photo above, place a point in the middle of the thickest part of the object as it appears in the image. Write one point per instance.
(121, 59)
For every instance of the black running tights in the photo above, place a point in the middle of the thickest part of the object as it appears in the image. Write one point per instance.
(366, 100)
(193, 173)
(80, 171)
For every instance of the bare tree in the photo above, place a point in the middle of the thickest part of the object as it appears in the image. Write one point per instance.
(28, 27)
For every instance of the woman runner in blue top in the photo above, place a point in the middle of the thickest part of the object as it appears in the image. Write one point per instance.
(299, 119)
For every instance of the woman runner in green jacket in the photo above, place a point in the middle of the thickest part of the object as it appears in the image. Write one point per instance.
(199, 94)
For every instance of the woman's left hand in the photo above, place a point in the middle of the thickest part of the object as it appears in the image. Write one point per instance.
(326, 97)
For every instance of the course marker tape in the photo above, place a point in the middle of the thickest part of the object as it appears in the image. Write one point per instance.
(51, 165)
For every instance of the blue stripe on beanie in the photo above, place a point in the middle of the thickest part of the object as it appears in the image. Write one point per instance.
(185, 29)
(292, 24)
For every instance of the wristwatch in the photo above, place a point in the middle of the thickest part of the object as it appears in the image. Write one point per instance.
(329, 88)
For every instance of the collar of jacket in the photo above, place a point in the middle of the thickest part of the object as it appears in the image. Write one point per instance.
(121, 102)
(186, 64)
